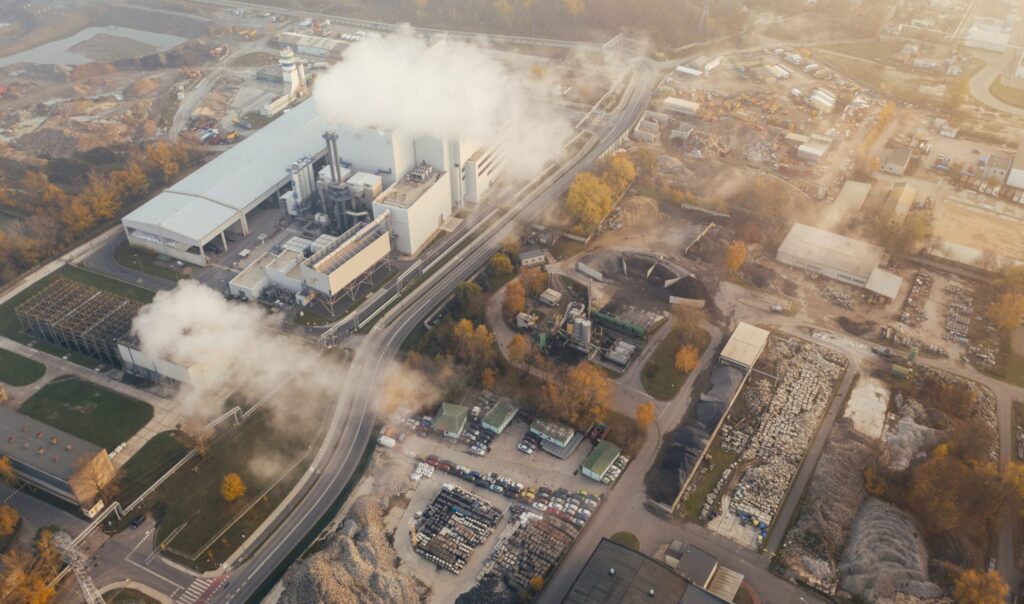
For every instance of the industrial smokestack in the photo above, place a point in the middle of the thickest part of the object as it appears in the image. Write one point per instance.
(331, 138)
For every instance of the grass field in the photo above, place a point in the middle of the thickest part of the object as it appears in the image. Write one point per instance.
(1007, 94)
(10, 328)
(263, 455)
(88, 411)
(143, 261)
(660, 377)
(720, 459)
(150, 462)
(17, 370)
(628, 539)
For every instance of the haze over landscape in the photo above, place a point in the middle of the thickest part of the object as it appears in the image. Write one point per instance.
(466, 301)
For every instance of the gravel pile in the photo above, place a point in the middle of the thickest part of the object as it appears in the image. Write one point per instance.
(833, 498)
(355, 565)
(886, 557)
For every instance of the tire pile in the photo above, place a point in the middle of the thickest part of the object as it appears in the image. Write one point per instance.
(452, 526)
(532, 550)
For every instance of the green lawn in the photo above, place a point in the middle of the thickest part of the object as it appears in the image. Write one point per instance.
(660, 377)
(17, 370)
(1007, 94)
(150, 462)
(258, 451)
(88, 411)
(143, 261)
(721, 459)
(10, 328)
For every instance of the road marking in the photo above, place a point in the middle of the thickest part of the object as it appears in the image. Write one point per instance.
(196, 590)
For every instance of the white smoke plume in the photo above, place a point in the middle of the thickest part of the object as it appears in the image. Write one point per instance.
(447, 89)
(238, 349)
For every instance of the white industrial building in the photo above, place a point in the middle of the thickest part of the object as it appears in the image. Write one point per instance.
(217, 197)
(987, 34)
(745, 345)
(153, 369)
(841, 258)
(1015, 177)
(677, 105)
(418, 204)
(280, 164)
(326, 268)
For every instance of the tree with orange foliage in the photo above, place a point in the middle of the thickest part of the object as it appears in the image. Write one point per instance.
(488, 379)
(1007, 311)
(645, 414)
(534, 280)
(980, 587)
(232, 487)
(735, 256)
(520, 350)
(514, 301)
(687, 358)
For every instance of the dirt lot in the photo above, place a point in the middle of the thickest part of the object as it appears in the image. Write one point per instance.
(962, 225)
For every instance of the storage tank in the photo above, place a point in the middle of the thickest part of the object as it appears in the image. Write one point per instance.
(581, 332)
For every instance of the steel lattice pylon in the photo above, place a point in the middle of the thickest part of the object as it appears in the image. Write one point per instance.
(76, 561)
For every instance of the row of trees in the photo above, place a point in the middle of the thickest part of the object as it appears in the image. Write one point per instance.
(55, 217)
(1007, 310)
(591, 196)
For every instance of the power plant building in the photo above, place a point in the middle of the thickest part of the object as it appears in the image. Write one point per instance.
(841, 258)
(198, 209)
(418, 205)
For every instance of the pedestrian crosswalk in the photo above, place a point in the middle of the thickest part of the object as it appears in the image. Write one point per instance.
(195, 591)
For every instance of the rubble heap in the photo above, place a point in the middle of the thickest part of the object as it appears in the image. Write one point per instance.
(808, 375)
(833, 497)
(355, 565)
(885, 557)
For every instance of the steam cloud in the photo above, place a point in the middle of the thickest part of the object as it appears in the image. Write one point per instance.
(449, 89)
(237, 348)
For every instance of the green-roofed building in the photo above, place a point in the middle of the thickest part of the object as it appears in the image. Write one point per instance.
(600, 459)
(450, 419)
(498, 418)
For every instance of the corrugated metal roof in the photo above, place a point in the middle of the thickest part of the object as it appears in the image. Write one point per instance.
(824, 248)
(237, 179)
(191, 217)
(22, 438)
(603, 455)
(884, 283)
(745, 344)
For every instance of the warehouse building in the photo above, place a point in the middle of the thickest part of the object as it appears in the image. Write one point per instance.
(185, 218)
(899, 202)
(450, 420)
(841, 258)
(745, 345)
(684, 107)
(897, 161)
(617, 573)
(54, 462)
(997, 167)
(312, 46)
(1015, 178)
(500, 416)
(600, 460)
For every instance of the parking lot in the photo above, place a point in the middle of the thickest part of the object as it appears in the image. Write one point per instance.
(551, 493)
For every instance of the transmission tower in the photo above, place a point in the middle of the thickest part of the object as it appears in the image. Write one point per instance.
(76, 561)
(705, 17)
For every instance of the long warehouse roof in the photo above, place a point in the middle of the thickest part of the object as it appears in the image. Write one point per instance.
(31, 442)
(829, 249)
(237, 178)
